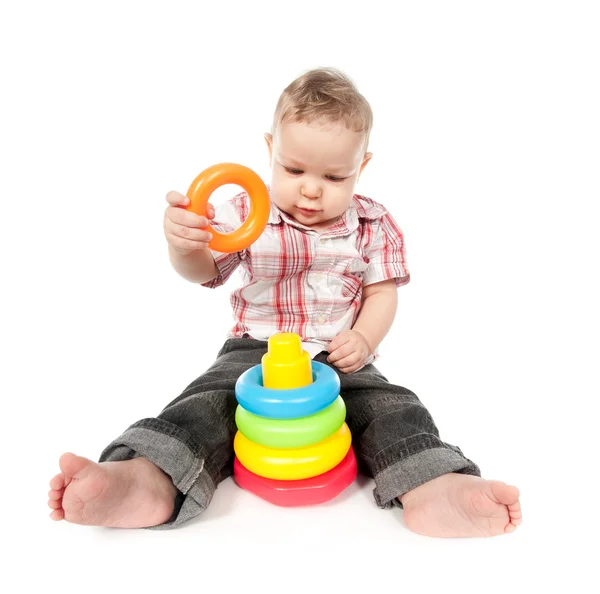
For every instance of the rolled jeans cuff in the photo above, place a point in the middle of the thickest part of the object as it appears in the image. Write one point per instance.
(415, 470)
(171, 449)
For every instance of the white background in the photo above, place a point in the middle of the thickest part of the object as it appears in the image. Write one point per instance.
(486, 150)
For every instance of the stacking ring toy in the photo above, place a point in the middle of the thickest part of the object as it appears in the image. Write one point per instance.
(293, 464)
(260, 204)
(308, 491)
(287, 404)
(292, 433)
(292, 445)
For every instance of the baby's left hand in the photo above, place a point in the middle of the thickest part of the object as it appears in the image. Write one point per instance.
(348, 351)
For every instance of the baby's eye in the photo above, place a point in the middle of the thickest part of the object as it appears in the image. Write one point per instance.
(334, 178)
(293, 171)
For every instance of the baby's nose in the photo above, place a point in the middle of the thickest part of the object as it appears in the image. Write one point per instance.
(311, 191)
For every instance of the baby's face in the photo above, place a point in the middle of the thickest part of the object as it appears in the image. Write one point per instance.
(315, 168)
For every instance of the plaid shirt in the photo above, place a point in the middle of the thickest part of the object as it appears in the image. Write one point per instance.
(296, 279)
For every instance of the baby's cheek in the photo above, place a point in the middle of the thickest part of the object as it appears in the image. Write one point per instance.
(286, 185)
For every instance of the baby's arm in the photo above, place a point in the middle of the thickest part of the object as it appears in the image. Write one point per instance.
(377, 312)
(197, 266)
(350, 349)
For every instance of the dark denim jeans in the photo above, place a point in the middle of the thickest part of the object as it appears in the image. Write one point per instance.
(394, 437)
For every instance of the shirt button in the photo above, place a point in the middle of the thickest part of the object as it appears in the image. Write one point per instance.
(319, 276)
(321, 319)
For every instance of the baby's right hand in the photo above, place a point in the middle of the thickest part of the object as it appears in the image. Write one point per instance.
(184, 229)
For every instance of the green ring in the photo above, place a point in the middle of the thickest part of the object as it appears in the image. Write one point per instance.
(291, 433)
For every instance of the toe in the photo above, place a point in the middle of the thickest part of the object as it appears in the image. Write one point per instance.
(54, 495)
(58, 482)
(74, 466)
(53, 504)
(506, 494)
(57, 514)
(514, 510)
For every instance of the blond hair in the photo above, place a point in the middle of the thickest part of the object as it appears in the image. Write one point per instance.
(324, 94)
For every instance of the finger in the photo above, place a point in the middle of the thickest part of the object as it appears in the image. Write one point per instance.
(338, 341)
(177, 199)
(186, 232)
(187, 218)
(350, 368)
(186, 245)
(340, 353)
(347, 361)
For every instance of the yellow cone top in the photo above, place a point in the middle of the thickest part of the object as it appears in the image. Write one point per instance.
(286, 365)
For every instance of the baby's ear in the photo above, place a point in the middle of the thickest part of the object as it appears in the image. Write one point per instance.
(366, 159)
(269, 141)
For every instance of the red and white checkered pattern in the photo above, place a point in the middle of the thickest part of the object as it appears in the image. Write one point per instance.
(295, 279)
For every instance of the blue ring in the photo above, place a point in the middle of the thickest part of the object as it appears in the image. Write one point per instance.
(291, 403)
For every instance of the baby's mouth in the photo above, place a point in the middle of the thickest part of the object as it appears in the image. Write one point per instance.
(307, 211)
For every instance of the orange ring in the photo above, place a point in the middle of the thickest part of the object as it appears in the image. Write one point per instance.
(260, 204)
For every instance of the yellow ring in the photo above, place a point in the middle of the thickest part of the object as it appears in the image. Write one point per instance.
(295, 463)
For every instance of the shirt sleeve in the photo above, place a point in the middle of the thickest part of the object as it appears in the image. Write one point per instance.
(228, 217)
(386, 253)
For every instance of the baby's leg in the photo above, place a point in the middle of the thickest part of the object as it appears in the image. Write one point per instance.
(170, 465)
(397, 443)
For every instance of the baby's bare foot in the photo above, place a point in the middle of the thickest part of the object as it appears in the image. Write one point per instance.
(462, 505)
(130, 494)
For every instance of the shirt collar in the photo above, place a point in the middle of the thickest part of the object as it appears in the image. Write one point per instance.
(360, 208)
